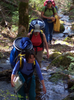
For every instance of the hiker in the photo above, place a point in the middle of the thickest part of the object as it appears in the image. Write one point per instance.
(27, 73)
(38, 40)
(47, 14)
(53, 4)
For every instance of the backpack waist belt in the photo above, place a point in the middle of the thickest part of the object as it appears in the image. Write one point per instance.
(27, 76)
(27, 86)
(41, 46)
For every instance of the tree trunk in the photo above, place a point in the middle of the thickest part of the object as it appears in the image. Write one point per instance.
(72, 1)
(9, 2)
(23, 18)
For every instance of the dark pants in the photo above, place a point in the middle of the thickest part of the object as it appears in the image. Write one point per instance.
(32, 93)
(48, 30)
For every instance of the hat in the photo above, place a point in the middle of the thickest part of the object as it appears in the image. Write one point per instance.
(49, 1)
(37, 28)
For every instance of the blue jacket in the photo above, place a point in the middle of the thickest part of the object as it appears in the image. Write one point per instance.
(27, 68)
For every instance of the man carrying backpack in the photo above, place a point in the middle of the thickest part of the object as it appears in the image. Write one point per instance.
(47, 14)
(38, 40)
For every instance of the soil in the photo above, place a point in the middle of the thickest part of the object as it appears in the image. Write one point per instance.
(6, 42)
(7, 37)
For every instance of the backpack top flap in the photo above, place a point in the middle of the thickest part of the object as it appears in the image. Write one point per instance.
(20, 45)
(23, 44)
(39, 22)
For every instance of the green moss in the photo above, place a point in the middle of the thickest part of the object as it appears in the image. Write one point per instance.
(72, 27)
(69, 97)
(62, 28)
(1, 55)
(67, 39)
(55, 77)
(54, 55)
(22, 35)
(0, 35)
(62, 60)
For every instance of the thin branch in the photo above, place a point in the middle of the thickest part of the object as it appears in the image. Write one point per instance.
(2, 13)
(9, 2)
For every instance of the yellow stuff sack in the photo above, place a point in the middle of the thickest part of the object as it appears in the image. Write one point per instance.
(57, 24)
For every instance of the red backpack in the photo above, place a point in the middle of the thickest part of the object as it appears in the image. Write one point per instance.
(53, 3)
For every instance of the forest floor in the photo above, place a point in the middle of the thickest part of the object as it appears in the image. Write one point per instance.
(7, 37)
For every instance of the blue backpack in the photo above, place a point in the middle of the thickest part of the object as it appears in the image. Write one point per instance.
(20, 45)
(14, 53)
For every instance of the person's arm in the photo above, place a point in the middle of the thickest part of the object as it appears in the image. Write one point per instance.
(28, 35)
(44, 88)
(15, 69)
(56, 13)
(38, 70)
(43, 16)
(46, 45)
(12, 77)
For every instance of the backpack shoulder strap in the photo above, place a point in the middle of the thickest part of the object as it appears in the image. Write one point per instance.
(41, 35)
(45, 9)
(21, 58)
(34, 63)
(53, 10)
(49, 10)
(31, 34)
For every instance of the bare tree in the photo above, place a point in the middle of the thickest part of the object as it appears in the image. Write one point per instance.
(23, 18)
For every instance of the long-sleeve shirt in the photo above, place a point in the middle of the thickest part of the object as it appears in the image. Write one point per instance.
(28, 68)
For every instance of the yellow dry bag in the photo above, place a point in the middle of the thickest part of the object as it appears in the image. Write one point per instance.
(57, 24)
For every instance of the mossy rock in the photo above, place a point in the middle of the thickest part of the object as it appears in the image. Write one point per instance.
(62, 60)
(4, 55)
(1, 55)
(72, 27)
(69, 97)
(62, 28)
(54, 55)
(56, 76)
(68, 39)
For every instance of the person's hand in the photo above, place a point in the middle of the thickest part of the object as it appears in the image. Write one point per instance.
(53, 18)
(44, 89)
(12, 84)
(59, 17)
(48, 55)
